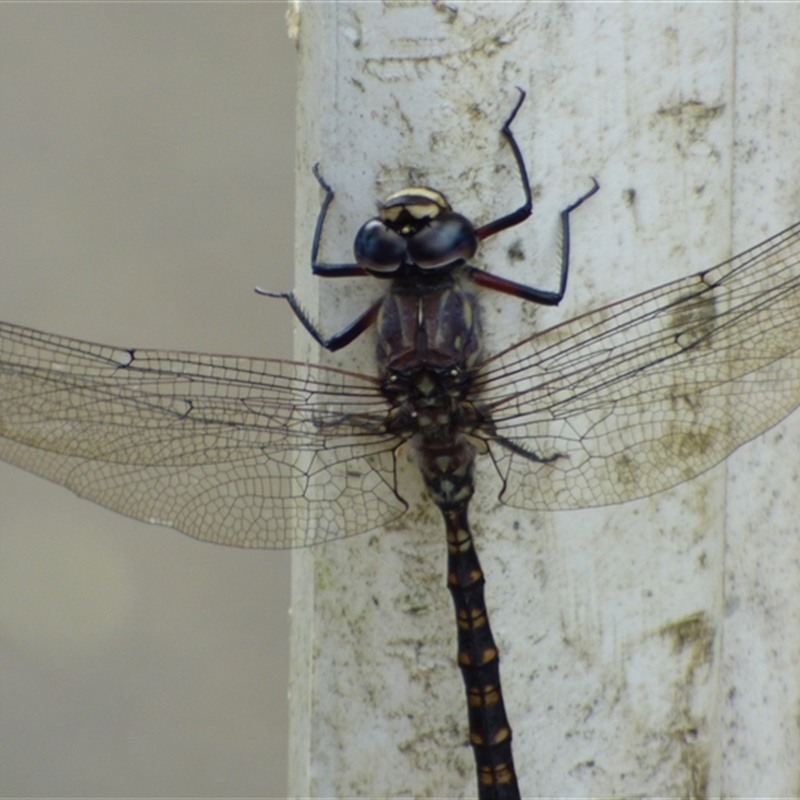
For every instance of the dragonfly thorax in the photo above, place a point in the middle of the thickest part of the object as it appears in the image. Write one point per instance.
(429, 402)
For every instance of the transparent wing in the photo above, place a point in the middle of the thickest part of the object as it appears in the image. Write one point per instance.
(237, 451)
(649, 392)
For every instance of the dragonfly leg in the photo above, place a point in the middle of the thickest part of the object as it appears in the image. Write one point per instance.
(320, 267)
(531, 293)
(359, 325)
(338, 340)
(515, 448)
(524, 211)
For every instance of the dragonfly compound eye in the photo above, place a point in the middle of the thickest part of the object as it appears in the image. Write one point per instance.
(379, 249)
(445, 240)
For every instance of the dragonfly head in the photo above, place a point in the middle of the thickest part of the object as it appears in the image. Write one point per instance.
(417, 227)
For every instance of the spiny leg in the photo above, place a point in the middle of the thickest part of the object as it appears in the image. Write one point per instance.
(531, 293)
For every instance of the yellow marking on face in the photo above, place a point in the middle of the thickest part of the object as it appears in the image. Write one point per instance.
(443, 463)
(391, 214)
(418, 210)
(423, 210)
(415, 196)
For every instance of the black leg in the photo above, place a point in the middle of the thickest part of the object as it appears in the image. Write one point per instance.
(524, 211)
(359, 325)
(529, 292)
(320, 268)
(338, 340)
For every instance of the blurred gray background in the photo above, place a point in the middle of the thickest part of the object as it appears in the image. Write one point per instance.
(146, 160)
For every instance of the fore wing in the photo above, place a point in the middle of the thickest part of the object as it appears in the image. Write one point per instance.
(238, 451)
(646, 393)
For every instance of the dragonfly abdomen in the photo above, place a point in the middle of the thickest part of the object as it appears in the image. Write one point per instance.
(478, 660)
(447, 468)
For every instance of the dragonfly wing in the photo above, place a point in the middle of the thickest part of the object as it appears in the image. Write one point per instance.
(232, 450)
(646, 393)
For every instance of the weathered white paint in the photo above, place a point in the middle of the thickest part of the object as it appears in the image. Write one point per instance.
(648, 648)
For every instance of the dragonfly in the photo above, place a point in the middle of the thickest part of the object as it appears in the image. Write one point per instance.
(619, 403)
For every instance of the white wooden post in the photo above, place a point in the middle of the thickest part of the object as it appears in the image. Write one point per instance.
(648, 648)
